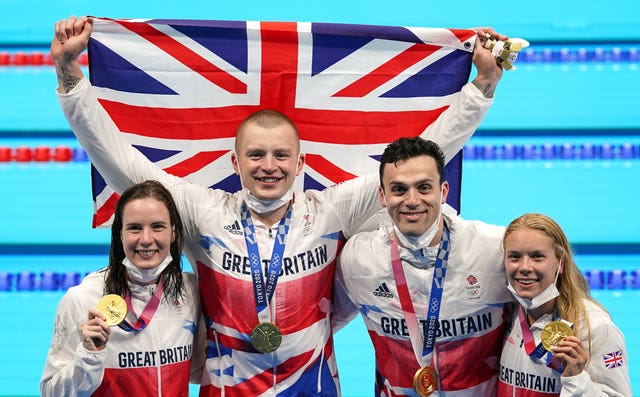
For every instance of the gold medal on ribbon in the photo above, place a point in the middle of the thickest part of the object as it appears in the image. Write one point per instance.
(424, 381)
(553, 333)
(113, 307)
(266, 337)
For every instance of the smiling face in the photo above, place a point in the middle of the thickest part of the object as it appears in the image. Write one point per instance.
(146, 232)
(267, 159)
(412, 192)
(530, 261)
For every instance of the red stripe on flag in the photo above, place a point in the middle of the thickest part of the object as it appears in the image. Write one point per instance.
(279, 65)
(194, 163)
(463, 34)
(360, 127)
(188, 57)
(389, 70)
(343, 127)
(104, 213)
(327, 168)
(183, 123)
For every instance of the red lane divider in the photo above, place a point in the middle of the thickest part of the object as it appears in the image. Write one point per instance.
(34, 58)
(41, 154)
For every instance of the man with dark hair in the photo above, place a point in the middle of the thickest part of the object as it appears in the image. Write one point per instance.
(429, 285)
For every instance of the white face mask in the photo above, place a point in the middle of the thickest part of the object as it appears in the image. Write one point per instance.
(260, 205)
(145, 276)
(415, 243)
(551, 292)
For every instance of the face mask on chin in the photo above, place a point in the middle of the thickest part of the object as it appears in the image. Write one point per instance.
(262, 206)
(551, 292)
(415, 243)
(145, 276)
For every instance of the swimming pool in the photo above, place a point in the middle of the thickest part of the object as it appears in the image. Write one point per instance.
(598, 210)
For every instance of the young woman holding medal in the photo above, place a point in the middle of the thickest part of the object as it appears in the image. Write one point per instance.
(562, 342)
(429, 285)
(131, 328)
(265, 256)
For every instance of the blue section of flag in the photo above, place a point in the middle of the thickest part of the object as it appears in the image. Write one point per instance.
(98, 182)
(229, 184)
(223, 38)
(108, 69)
(310, 183)
(155, 154)
(423, 83)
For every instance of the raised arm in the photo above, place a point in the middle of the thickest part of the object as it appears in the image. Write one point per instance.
(488, 71)
(71, 37)
(456, 125)
(113, 156)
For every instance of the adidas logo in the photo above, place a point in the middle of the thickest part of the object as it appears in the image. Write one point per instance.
(383, 291)
(234, 228)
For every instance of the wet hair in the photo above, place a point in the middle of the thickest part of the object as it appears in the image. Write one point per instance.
(406, 148)
(116, 278)
(571, 284)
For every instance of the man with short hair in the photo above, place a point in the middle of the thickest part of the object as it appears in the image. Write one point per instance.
(429, 285)
(264, 256)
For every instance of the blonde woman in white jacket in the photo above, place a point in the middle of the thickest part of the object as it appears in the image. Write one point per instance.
(582, 352)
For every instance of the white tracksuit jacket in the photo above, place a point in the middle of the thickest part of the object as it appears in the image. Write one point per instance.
(153, 362)
(472, 312)
(606, 374)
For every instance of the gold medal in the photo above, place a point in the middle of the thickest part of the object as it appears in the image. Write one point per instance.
(424, 381)
(113, 307)
(553, 333)
(266, 337)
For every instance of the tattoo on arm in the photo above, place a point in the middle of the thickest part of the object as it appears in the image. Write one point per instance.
(66, 78)
(487, 89)
(69, 83)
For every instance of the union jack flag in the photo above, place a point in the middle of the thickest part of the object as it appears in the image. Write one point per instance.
(613, 360)
(178, 89)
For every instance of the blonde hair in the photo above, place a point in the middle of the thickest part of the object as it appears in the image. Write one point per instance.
(266, 118)
(571, 284)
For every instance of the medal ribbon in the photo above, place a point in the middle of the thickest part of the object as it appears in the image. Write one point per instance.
(147, 313)
(537, 351)
(263, 290)
(435, 298)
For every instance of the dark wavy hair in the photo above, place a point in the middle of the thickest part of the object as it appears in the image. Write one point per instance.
(406, 148)
(116, 281)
